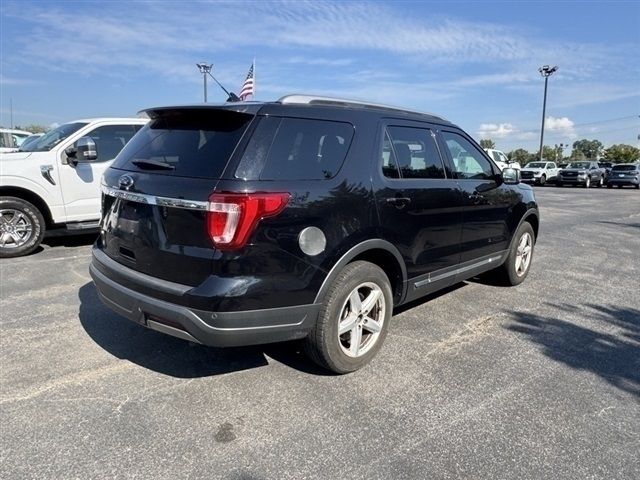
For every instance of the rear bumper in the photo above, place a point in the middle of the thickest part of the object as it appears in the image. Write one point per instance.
(622, 181)
(219, 329)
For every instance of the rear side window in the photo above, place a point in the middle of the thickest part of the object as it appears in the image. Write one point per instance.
(110, 139)
(295, 149)
(624, 168)
(415, 153)
(196, 143)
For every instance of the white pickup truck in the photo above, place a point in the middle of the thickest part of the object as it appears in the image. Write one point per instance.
(539, 172)
(501, 159)
(54, 184)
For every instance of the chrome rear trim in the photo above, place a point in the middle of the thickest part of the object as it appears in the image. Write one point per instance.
(154, 200)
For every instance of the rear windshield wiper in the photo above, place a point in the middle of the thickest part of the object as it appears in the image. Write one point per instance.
(152, 165)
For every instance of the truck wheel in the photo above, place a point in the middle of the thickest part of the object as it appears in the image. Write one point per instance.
(22, 227)
(543, 180)
(587, 182)
(516, 267)
(354, 319)
(600, 182)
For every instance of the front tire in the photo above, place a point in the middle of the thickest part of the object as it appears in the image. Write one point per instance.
(518, 263)
(22, 227)
(543, 180)
(587, 182)
(354, 319)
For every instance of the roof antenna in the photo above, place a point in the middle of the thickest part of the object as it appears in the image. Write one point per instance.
(231, 97)
(206, 69)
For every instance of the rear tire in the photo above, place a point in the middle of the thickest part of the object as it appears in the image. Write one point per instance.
(513, 271)
(358, 287)
(22, 227)
(609, 185)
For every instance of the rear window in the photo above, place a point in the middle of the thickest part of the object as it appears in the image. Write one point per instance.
(196, 143)
(624, 168)
(295, 149)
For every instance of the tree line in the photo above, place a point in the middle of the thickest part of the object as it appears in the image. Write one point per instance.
(581, 150)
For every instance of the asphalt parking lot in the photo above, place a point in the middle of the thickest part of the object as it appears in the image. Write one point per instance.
(538, 381)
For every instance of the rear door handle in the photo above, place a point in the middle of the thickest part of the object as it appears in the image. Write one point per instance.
(398, 202)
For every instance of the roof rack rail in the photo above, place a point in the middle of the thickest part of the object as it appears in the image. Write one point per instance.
(318, 100)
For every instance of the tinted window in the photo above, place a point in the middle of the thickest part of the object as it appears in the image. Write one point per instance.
(197, 143)
(624, 168)
(389, 161)
(54, 137)
(295, 149)
(416, 153)
(468, 162)
(110, 139)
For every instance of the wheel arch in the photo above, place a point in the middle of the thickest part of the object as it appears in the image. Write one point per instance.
(31, 197)
(379, 252)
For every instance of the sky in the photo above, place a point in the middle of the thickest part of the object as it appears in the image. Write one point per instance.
(474, 63)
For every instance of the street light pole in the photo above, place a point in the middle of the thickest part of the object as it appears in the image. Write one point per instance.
(205, 69)
(546, 71)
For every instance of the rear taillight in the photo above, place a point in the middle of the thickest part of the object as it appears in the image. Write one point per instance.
(232, 217)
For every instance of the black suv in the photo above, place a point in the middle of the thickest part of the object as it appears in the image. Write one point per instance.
(308, 217)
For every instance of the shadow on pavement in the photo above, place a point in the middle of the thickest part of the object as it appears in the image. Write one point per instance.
(172, 356)
(614, 354)
(621, 224)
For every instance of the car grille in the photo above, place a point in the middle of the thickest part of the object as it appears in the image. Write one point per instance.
(569, 174)
(526, 174)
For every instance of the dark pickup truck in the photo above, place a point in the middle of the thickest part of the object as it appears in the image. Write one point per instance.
(585, 173)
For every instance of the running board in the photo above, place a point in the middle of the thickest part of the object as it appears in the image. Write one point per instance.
(76, 226)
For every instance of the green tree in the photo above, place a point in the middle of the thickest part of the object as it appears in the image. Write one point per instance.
(487, 143)
(519, 155)
(33, 128)
(577, 155)
(622, 153)
(549, 154)
(589, 148)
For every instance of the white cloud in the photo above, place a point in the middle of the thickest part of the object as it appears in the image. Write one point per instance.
(495, 130)
(561, 126)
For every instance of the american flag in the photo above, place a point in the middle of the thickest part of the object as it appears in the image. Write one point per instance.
(248, 85)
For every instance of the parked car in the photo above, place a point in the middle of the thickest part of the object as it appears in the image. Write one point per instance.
(308, 217)
(11, 139)
(624, 174)
(585, 173)
(539, 172)
(607, 168)
(500, 159)
(54, 182)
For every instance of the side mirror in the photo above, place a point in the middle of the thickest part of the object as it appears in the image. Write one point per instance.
(86, 150)
(511, 176)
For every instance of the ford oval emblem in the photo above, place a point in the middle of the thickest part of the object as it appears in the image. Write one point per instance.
(125, 182)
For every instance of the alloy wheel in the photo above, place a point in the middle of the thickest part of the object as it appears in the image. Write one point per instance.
(361, 319)
(523, 254)
(15, 228)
